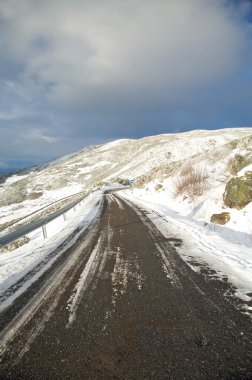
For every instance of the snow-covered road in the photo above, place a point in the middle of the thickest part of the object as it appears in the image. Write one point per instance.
(226, 251)
(120, 302)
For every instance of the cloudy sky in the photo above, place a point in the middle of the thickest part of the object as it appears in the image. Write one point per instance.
(81, 72)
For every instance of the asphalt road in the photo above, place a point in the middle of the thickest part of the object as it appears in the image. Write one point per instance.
(122, 304)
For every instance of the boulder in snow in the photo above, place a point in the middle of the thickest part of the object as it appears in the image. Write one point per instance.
(238, 192)
(222, 218)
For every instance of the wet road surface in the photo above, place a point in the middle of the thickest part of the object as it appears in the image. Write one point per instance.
(122, 304)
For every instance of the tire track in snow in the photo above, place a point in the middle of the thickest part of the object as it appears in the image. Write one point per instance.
(93, 269)
(52, 289)
(170, 266)
(84, 280)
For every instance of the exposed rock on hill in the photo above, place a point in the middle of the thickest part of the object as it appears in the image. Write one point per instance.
(222, 218)
(238, 192)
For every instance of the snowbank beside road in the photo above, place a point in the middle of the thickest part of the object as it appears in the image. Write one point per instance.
(227, 251)
(16, 264)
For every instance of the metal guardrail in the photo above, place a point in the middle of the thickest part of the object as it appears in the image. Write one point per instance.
(20, 232)
(40, 209)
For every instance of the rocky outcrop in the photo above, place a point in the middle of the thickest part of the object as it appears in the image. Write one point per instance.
(238, 192)
(222, 218)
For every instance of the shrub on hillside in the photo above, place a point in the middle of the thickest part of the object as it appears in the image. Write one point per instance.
(122, 181)
(186, 169)
(191, 181)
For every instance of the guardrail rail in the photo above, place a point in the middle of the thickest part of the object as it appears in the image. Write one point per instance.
(22, 231)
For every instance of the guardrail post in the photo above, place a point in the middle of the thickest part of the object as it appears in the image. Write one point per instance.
(44, 231)
(9, 238)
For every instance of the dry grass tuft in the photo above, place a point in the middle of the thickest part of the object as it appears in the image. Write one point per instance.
(186, 169)
(191, 181)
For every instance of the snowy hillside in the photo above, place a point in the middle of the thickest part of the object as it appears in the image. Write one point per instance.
(150, 161)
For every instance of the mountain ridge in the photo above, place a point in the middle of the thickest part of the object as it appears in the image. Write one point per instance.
(147, 159)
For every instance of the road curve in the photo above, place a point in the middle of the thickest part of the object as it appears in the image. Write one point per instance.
(122, 304)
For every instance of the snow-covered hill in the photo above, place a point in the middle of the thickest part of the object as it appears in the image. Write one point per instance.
(150, 161)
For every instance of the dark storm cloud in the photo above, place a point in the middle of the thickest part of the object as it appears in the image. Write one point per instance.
(83, 72)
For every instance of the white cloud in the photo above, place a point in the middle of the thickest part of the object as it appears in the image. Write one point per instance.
(36, 134)
(98, 54)
(32, 137)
